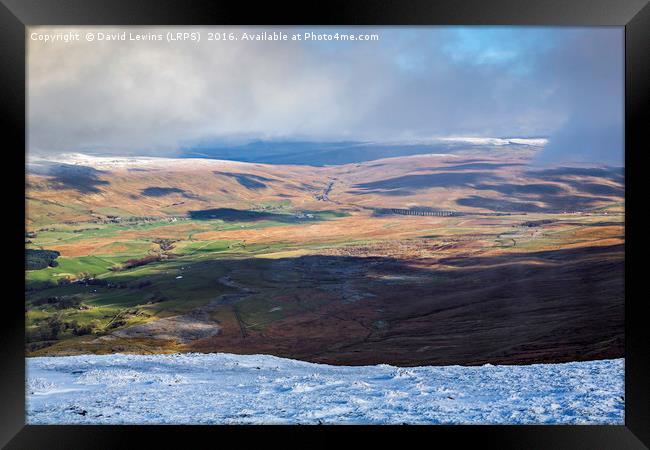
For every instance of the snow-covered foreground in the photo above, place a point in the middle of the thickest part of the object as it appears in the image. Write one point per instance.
(225, 388)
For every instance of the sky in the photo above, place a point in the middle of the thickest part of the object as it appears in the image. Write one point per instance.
(412, 84)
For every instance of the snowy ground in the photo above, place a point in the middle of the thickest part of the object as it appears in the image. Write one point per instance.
(225, 388)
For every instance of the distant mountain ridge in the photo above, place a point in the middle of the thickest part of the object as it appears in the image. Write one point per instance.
(343, 152)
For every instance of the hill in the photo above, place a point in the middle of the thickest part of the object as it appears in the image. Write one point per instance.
(467, 257)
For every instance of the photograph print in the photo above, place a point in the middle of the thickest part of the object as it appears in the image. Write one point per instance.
(325, 225)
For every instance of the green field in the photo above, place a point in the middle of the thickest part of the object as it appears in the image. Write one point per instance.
(91, 295)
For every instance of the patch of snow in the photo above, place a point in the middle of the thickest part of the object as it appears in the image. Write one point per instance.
(538, 142)
(223, 388)
(123, 162)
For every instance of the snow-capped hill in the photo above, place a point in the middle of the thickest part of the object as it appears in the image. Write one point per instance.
(491, 141)
(119, 162)
(225, 388)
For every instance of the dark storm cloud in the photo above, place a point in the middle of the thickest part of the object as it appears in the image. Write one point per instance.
(588, 76)
(413, 84)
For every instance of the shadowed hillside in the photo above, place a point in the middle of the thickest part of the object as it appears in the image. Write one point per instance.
(466, 258)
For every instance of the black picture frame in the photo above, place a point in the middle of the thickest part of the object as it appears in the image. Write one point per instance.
(16, 15)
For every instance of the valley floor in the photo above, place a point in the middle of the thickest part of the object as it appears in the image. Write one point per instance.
(221, 388)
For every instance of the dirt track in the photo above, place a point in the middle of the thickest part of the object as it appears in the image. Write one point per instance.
(186, 328)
